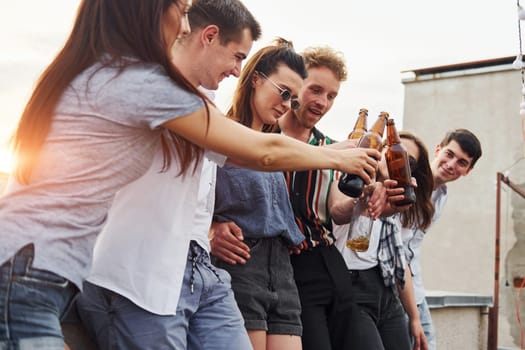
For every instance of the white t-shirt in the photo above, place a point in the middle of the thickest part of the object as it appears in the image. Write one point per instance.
(105, 131)
(358, 260)
(205, 204)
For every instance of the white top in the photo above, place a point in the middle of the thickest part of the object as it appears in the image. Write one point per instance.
(205, 204)
(413, 239)
(358, 260)
(206, 194)
(141, 253)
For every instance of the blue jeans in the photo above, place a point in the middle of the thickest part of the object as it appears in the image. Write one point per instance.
(207, 316)
(31, 304)
(426, 323)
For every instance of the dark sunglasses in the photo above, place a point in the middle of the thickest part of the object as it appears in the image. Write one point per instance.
(412, 162)
(285, 94)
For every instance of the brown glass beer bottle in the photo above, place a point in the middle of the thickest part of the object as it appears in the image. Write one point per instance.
(360, 125)
(397, 163)
(350, 184)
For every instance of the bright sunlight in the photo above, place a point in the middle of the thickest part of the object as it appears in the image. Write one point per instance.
(6, 161)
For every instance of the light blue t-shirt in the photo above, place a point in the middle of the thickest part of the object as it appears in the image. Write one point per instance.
(104, 133)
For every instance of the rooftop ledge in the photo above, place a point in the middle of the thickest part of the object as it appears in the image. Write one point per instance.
(442, 299)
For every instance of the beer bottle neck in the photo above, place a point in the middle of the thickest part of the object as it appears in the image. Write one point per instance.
(392, 137)
(379, 125)
(360, 125)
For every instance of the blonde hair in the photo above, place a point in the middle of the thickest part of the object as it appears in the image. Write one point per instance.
(325, 56)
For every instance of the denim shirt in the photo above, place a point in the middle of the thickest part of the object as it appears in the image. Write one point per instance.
(257, 202)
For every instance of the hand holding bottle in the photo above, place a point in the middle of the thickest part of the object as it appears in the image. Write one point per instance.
(396, 195)
(398, 164)
(352, 184)
(361, 162)
(378, 199)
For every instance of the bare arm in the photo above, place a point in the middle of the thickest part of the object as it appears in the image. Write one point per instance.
(345, 144)
(408, 299)
(268, 152)
(340, 206)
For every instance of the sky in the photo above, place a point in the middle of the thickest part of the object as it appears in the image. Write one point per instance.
(381, 40)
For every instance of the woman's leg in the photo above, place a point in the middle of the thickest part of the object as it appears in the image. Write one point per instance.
(258, 340)
(283, 341)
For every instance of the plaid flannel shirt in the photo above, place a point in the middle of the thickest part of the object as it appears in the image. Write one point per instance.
(390, 253)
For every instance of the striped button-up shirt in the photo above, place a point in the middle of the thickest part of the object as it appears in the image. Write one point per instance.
(308, 192)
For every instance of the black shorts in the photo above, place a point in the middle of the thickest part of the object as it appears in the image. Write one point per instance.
(265, 289)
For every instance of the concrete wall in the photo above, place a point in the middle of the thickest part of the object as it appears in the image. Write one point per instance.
(460, 328)
(460, 319)
(458, 253)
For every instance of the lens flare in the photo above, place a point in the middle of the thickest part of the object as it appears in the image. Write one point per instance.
(6, 161)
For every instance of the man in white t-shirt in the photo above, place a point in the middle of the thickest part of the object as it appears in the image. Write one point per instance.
(152, 284)
(454, 157)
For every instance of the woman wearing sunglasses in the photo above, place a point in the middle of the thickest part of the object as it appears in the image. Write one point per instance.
(256, 203)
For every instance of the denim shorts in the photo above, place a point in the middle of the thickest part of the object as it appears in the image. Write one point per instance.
(31, 304)
(207, 316)
(265, 289)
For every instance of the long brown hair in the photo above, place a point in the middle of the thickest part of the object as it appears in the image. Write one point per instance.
(109, 29)
(265, 61)
(420, 215)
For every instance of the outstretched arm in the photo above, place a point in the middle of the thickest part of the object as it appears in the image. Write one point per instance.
(268, 152)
